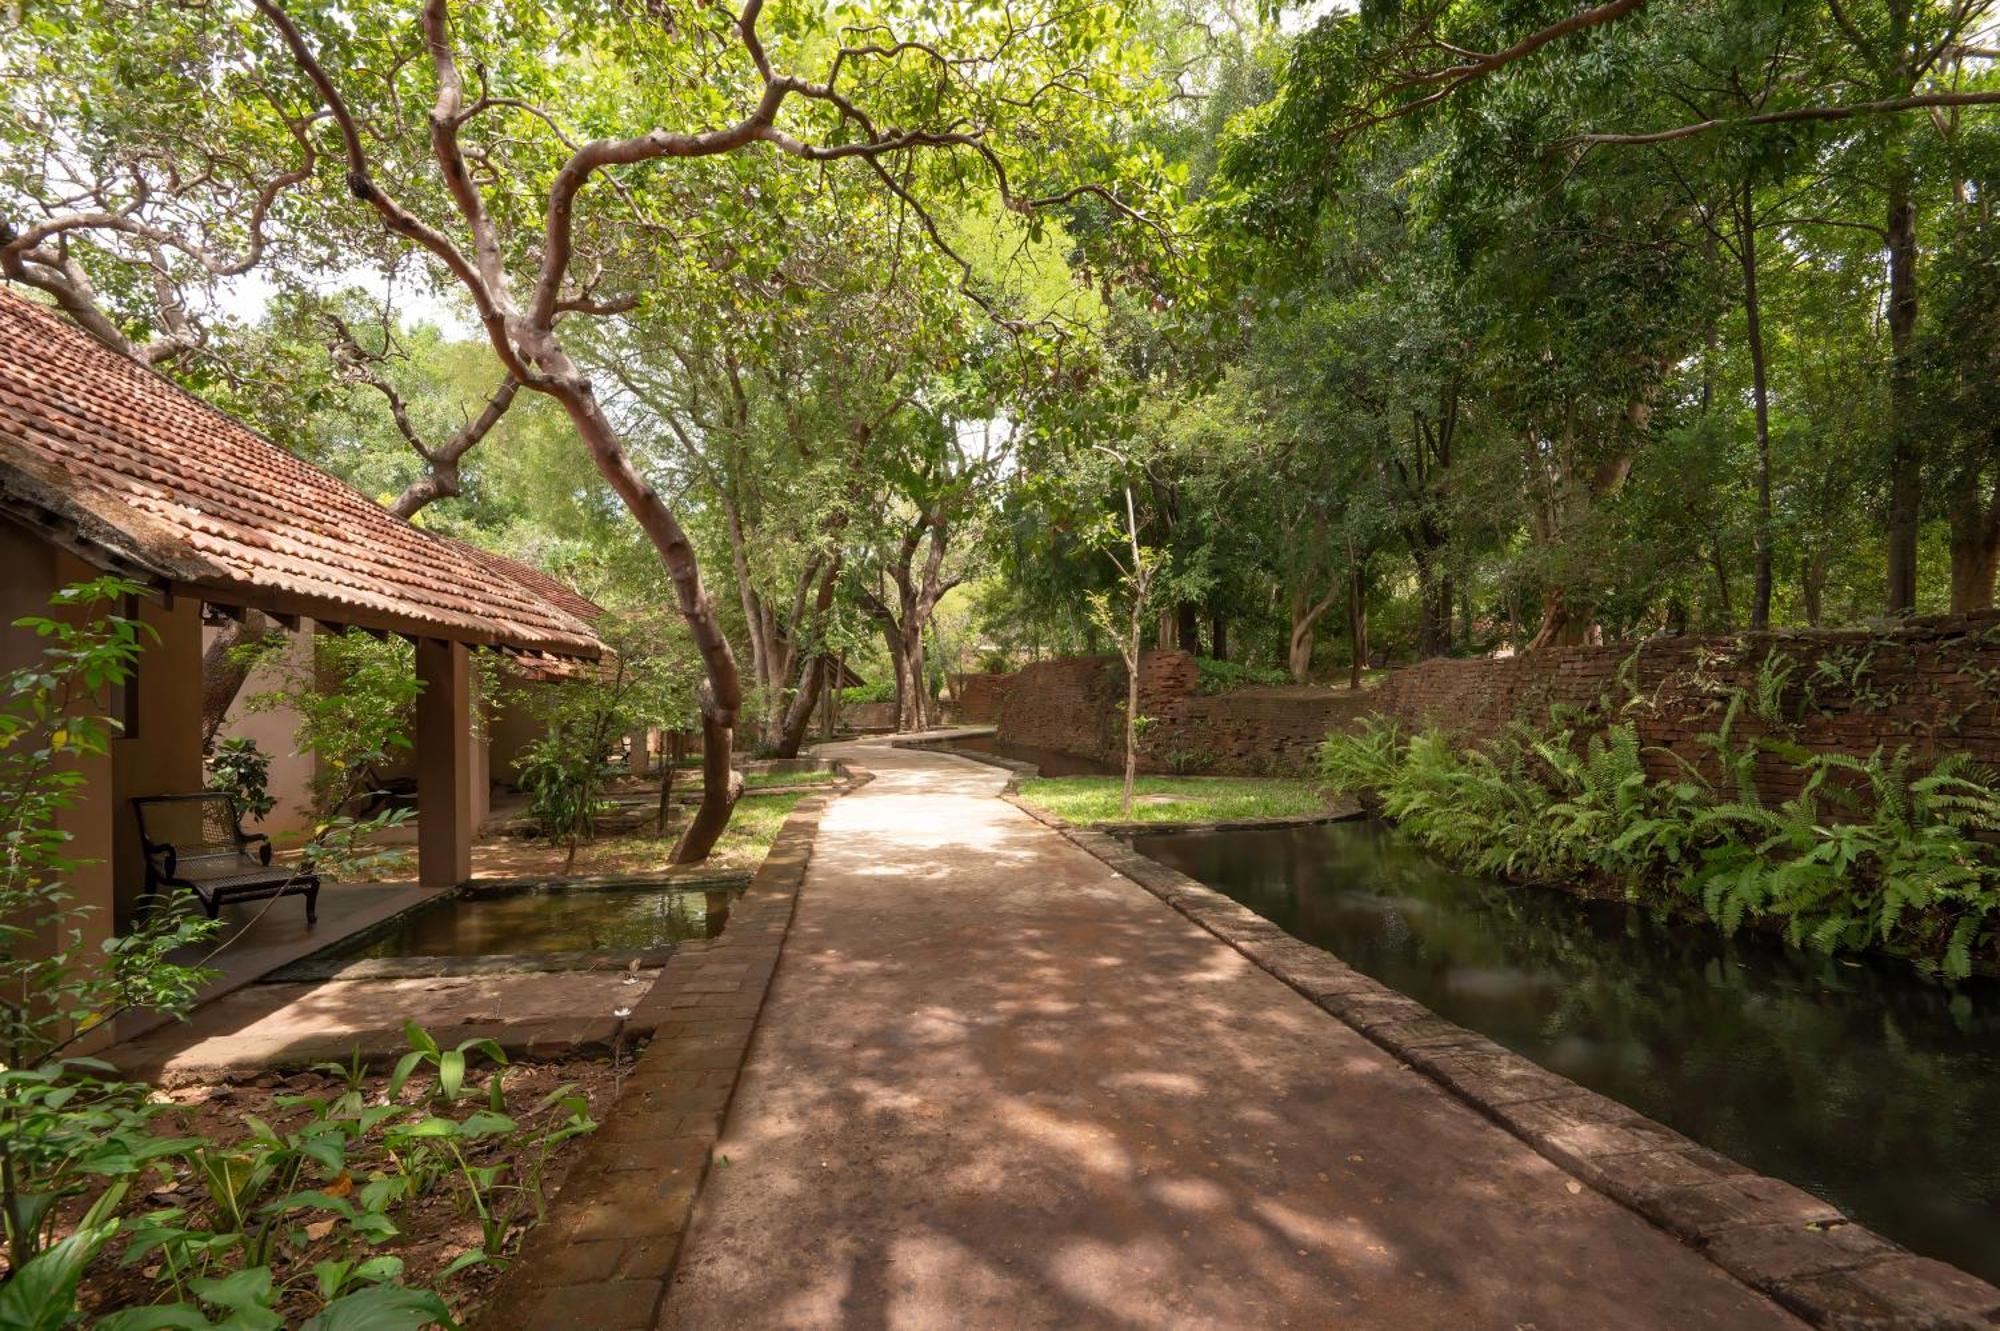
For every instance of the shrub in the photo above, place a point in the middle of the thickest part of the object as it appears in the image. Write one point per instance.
(68, 1126)
(242, 770)
(1223, 676)
(879, 690)
(1868, 854)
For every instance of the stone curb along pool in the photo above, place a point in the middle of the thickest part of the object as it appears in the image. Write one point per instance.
(604, 1256)
(1767, 1233)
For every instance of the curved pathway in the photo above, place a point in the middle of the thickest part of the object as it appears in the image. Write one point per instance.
(996, 1084)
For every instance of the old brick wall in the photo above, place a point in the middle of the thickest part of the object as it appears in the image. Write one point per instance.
(1075, 706)
(979, 697)
(1932, 684)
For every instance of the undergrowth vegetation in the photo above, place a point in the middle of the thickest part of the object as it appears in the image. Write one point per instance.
(1869, 853)
(1217, 676)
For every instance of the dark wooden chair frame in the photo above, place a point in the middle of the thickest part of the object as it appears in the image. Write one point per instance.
(219, 873)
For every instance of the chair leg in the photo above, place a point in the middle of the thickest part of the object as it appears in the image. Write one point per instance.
(312, 905)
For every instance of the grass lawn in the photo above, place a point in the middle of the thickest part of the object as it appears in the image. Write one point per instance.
(752, 829)
(759, 780)
(1087, 800)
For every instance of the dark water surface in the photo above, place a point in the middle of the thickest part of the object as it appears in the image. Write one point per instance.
(607, 919)
(1051, 762)
(1863, 1082)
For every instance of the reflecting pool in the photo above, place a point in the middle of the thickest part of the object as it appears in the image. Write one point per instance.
(1860, 1080)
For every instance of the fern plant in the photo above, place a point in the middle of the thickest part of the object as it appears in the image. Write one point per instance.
(1868, 853)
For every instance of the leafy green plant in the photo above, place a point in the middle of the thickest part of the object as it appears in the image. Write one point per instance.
(355, 700)
(450, 1064)
(878, 690)
(68, 1125)
(1868, 853)
(242, 770)
(219, 1266)
(1224, 676)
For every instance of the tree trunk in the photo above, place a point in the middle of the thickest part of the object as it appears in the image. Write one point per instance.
(1812, 584)
(1299, 658)
(1304, 617)
(1132, 708)
(1905, 464)
(918, 698)
(799, 713)
(1721, 568)
(721, 787)
(1357, 624)
(222, 677)
(1760, 398)
(894, 642)
(1187, 627)
(812, 670)
(830, 693)
(1975, 544)
(1218, 635)
(721, 694)
(1433, 606)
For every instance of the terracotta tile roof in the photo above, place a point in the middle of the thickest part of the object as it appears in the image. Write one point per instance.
(109, 456)
(550, 588)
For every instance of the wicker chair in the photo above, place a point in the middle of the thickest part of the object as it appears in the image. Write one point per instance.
(198, 842)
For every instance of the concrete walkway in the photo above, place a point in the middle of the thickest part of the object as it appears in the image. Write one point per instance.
(997, 1085)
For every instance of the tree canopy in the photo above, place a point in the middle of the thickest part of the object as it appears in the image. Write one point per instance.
(1419, 328)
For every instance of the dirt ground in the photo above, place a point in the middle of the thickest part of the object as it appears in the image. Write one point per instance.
(436, 1229)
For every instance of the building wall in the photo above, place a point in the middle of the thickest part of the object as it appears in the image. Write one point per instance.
(867, 716)
(36, 570)
(274, 730)
(510, 729)
(979, 697)
(162, 755)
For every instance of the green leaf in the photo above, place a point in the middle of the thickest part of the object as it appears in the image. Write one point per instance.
(485, 1123)
(383, 1308)
(419, 1039)
(42, 1294)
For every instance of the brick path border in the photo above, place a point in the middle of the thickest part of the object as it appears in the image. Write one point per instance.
(604, 1256)
(1772, 1236)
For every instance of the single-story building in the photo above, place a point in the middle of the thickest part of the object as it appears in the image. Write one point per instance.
(506, 725)
(107, 466)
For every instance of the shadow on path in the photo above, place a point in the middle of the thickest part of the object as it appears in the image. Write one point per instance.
(995, 1084)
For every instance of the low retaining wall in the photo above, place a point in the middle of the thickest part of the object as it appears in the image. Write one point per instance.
(979, 697)
(1076, 705)
(1931, 684)
(604, 1256)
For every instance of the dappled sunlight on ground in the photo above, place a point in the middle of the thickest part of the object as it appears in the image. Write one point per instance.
(269, 1023)
(997, 1085)
(751, 829)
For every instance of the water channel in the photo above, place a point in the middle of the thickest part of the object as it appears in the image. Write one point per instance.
(1860, 1080)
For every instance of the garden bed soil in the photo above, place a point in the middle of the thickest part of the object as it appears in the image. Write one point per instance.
(435, 1230)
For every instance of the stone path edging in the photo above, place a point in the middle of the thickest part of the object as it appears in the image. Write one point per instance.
(1774, 1237)
(602, 1259)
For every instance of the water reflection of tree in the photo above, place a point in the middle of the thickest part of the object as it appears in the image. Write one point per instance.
(1872, 1084)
